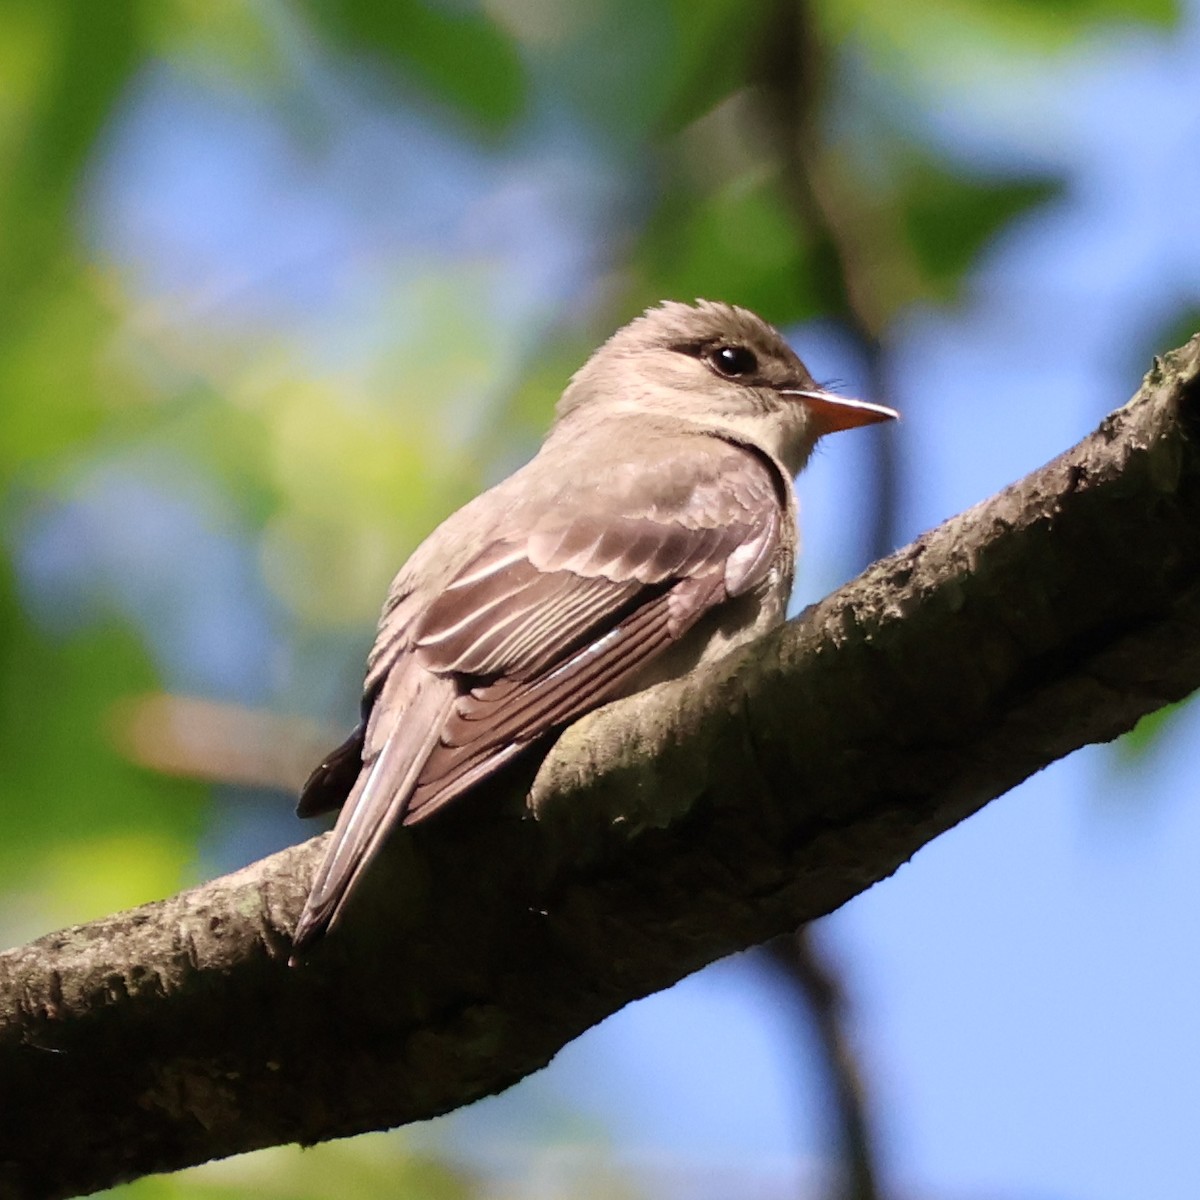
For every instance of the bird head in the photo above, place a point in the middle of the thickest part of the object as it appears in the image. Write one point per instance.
(719, 367)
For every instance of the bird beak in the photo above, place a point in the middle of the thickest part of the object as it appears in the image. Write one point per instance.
(840, 412)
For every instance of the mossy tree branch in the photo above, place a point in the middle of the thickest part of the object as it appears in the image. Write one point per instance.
(673, 828)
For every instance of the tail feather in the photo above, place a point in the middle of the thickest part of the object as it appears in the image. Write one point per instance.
(376, 803)
(330, 784)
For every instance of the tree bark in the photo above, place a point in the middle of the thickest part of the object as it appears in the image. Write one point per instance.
(685, 823)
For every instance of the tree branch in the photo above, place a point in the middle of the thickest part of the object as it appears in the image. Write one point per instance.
(800, 962)
(687, 822)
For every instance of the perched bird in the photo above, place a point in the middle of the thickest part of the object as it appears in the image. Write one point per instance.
(654, 529)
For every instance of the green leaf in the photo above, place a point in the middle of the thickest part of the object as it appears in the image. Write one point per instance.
(79, 824)
(713, 47)
(74, 61)
(951, 35)
(738, 244)
(373, 1164)
(1137, 356)
(1150, 730)
(949, 217)
(463, 57)
(613, 62)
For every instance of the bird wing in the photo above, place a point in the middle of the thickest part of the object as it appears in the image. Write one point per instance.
(539, 626)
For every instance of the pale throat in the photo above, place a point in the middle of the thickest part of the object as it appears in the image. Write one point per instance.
(783, 430)
(785, 433)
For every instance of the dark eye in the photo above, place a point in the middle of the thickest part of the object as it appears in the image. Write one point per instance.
(734, 361)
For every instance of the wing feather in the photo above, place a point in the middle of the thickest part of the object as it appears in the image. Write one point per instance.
(491, 724)
(548, 619)
(371, 808)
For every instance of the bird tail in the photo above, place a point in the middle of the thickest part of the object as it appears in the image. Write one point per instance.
(376, 803)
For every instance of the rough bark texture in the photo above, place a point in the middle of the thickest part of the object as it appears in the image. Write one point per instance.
(691, 821)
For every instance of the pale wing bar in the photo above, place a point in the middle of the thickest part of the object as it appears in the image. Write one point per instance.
(533, 632)
(490, 724)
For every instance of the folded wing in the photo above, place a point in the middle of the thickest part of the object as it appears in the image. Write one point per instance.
(540, 626)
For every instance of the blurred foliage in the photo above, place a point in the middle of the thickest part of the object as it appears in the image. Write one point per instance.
(917, 38)
(1150, 730)
(321, 444)
(949, 218)
(739, 243)
(64, 66)
(68, 791)
(457, 54)
(1179, 329)
(372, 1165)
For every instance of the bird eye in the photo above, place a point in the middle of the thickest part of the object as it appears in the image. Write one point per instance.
(734, 361)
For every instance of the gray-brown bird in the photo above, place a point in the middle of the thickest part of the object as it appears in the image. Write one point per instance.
(655, 529)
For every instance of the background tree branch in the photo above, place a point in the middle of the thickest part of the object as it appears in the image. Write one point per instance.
(688, 822)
